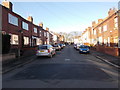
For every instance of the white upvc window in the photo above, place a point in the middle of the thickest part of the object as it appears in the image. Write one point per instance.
(12, 19)
(94, 32)
(24, 25)
(14, 39)
(26, 40)
(105, 28)
(100, 40)
(108, 40)
(105, 41)
(39, 41)
(115, 39)
(40, 32)
(35, 30)
(100, 29)
(116, 22)
(48, 34)
(45, 34)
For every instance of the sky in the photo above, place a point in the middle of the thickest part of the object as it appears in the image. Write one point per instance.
(64, 16)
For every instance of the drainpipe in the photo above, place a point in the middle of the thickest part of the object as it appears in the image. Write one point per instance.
(119, 26)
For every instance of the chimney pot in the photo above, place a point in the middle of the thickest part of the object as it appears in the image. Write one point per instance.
(47, 28)
(41, 24)
(30, 18)
(100, 20)
(7, 4)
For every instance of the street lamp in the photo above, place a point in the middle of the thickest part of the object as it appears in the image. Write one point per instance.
(20, 42)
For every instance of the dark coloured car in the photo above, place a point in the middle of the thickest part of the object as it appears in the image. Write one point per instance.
(84, 49)
(61, 45)
(57, 47)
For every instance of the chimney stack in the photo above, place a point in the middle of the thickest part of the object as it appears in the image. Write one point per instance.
(100, 20)
(7, 4)
(93, 24)
(111, 11)
(30, 18)
(47, 28)
(41, 24)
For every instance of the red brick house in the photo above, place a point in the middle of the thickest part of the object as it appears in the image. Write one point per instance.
(24, 34)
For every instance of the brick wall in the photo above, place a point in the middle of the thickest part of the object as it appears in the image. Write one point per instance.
(114, 51)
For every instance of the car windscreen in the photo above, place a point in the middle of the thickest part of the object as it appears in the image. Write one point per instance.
(84, 47)
(42, 47)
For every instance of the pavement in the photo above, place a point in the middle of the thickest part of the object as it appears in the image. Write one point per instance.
(15, 63)
(112, 60)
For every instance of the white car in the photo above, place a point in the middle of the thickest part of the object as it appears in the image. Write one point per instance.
(45, 50)
(77, 46)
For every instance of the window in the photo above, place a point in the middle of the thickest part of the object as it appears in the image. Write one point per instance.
(40, 33)
(25, 25)
(94, 32)
(105, 28)
(26, 40)
(39, 41)
(12, 19)
(48, 34)
(105, 41)
(108, 40)
(45, 34)
(35, 30)
(14, 39)
(100, 40)
(116, 22)
(100, 29)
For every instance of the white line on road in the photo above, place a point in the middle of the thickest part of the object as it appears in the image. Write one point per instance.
(67, 59)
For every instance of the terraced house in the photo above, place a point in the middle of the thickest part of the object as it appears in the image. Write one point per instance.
(104, 35)
(24, 33)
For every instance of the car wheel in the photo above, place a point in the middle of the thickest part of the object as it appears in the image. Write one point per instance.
(55, 53)
(50, 56)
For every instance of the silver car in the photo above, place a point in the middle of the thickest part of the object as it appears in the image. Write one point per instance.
(45, 50)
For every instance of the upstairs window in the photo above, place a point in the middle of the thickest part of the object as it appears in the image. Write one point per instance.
(35, 30)
(100, 29)
(12, 19)
(116, 22)
(40, 33)
(45, 34)
(94, 32)
(105, 28)
(25, 25)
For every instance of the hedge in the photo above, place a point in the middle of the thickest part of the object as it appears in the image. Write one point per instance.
(6, 43)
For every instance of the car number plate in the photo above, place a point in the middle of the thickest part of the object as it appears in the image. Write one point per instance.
(41, 51)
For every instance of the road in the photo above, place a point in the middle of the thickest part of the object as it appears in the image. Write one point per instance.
(67, 69)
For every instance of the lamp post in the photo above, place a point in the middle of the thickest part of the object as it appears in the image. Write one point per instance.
(20, 42)
(119, 26)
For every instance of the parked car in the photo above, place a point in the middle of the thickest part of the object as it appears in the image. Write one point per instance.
(45, 50)
(64, 45)
(61, 45)
(84, 49)
(77, 46)
(57, 47)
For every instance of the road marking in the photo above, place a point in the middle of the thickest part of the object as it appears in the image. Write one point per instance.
(67, 59)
